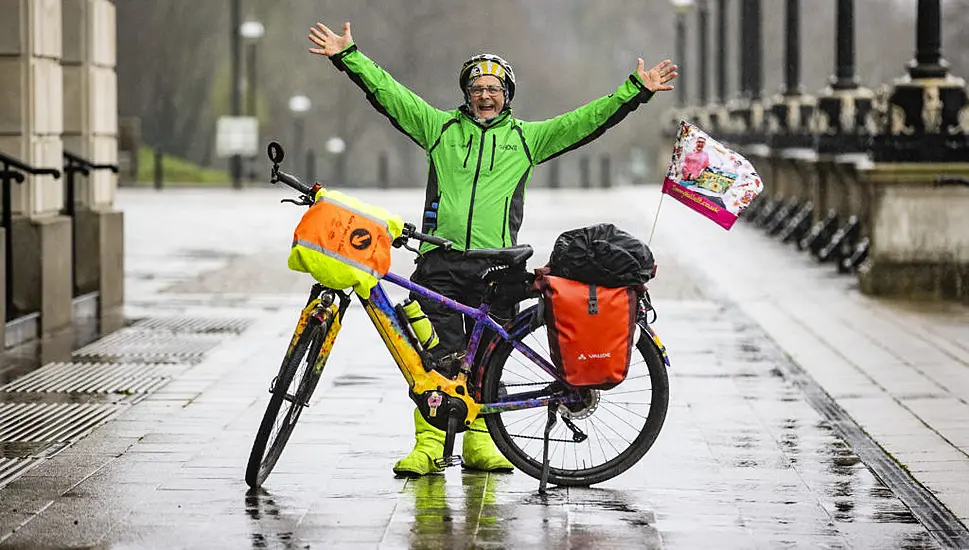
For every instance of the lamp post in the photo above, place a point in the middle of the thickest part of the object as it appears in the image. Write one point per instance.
(703, 13)
(722, 114)
(235, 11)
(793, 109)
(298, 106)
(705, 109)
(682, 8)
(749, 112)
(252, 31)
(844, 107)
(336, 146)
(925, 117)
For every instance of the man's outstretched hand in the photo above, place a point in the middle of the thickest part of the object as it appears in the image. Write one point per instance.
(656, 78)
(328, 41)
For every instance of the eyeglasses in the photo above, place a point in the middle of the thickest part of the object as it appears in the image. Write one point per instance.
(492, 90)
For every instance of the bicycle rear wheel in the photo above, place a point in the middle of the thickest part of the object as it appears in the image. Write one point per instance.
(621, 423)
(292, 389)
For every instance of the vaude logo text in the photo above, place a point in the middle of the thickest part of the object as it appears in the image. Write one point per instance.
(584, 357)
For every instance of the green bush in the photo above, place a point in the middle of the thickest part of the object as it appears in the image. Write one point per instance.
(177, 171)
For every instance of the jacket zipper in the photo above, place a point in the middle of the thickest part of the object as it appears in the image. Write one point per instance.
(494, 145)
(474, 187)
(469, 153)
(504, 222)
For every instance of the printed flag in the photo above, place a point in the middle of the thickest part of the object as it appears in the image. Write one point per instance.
(709, 178)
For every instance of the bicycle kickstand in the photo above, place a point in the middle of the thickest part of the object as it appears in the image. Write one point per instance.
(548, 430)
(450, 459)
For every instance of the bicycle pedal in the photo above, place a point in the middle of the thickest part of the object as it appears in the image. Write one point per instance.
(447, 461)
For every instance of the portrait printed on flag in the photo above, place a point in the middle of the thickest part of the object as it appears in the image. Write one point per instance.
(710, 178)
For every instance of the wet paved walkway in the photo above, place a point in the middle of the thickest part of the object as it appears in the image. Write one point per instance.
(744, 460)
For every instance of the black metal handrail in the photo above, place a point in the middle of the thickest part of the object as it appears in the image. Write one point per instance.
(77, 165)
(13, 172)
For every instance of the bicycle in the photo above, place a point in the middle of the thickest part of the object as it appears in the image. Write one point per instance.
(488, 381)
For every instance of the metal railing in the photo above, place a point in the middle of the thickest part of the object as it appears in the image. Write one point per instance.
(14, 171)
(73, 166)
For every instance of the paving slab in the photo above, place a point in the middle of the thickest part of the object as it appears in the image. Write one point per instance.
(744, 459)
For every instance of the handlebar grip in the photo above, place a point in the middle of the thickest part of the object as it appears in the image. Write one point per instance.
(294, 182)
(431, 239)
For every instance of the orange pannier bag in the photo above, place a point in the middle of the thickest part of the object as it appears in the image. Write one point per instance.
(590, 330)
(344, 242)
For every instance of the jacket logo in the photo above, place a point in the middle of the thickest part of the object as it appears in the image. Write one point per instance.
(508, 147)
(360, 239)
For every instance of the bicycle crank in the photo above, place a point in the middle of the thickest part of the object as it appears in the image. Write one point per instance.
(455, 417)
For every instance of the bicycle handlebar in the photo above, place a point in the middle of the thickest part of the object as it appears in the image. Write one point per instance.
(411, 232)
(308, 197)
(292, 181)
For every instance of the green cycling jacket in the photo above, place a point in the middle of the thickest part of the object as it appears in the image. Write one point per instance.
(477, 174)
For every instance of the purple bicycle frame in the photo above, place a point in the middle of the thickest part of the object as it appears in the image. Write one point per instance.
(379, 297)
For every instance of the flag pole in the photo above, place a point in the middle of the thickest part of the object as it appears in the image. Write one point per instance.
(655, 219)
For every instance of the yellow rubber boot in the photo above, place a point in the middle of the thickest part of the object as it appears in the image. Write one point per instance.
(429, 445)
(479, 452)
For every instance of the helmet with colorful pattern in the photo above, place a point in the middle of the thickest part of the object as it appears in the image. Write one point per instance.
(488, 64)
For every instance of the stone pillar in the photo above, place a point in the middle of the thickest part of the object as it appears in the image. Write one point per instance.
(31, 122)
(919, 232)
(919, 243)
(91, 131)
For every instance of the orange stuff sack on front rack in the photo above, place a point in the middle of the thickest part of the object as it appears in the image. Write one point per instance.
(344, 242)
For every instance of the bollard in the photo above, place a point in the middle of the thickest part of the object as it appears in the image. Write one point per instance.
(782, 215)
(159, 166)
(584, 175)
(851, 263)
(605, 172)
(553, 175)
(767, 211)
(819, 233)
(798, 225)
(383, 171)
(310, 166)
(842, 241)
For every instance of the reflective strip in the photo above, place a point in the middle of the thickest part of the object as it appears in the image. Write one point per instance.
(327, 252)
(370, 217)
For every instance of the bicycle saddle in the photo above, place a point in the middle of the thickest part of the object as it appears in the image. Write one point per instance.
(512, 255)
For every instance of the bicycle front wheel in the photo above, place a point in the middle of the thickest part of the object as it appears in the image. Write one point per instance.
(621, 423)
(291, 393)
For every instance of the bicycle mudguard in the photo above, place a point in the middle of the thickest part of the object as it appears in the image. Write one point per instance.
(304, 318)
(656, 342)
(333, 316)
(487, 349)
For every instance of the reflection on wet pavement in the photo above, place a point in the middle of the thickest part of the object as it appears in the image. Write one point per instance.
(791, 478)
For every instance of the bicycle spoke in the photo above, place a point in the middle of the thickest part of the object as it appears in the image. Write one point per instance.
(619, 424)
(632, 412)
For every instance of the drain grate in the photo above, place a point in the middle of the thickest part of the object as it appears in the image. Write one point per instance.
(12, 468)
(196, 325)
(123, 378)
(163, 347)
(26, 422)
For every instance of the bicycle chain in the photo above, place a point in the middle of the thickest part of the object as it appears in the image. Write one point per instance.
(526, 436)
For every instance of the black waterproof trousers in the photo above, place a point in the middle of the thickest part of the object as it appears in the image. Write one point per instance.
(450, 273)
